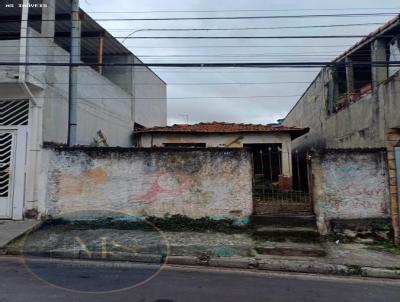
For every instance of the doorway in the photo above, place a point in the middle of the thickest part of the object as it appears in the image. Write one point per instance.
(272, 195)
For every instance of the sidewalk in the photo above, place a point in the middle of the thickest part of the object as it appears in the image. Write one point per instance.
(202, 248)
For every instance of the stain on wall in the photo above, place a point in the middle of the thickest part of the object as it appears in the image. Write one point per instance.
(198, 183)
(352, 185)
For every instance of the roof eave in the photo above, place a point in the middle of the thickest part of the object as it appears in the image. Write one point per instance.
(369, 38)
(292, 132)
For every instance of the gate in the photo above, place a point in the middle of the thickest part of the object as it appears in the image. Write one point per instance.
(13, 136)
(7, 159)
(269, 198)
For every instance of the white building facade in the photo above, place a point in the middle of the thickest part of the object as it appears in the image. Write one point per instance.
(34, 98)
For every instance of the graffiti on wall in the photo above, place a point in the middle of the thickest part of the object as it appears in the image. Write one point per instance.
(355, 185)
(164, 182)
(142, 184)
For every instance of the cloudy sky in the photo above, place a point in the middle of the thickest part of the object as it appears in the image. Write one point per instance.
(233, 94)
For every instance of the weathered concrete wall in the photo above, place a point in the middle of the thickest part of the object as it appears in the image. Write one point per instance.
(310, 112)
(150, 182)
(9, 52)
(350, 185)
(362, 124)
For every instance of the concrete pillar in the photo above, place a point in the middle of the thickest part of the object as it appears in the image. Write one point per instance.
(378, 53)
(349, 75)
(319, 195)
(393, 162)
(285, 180)
(287, 159)
(396, 203)
(48, 13)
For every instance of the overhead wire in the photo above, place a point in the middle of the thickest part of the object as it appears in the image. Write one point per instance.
(340, 15)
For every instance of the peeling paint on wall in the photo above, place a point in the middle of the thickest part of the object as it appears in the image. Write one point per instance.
(355, 185)
(195, 183)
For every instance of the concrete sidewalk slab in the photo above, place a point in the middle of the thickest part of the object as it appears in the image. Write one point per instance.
(206, 249)
(10, 230)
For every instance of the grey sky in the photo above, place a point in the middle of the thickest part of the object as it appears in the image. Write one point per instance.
(251, 110)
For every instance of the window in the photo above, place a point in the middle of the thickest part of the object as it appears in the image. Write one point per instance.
(351, 79)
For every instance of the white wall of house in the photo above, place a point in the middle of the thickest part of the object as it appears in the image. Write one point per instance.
(102, 105)
(221, 140)
(9, 53)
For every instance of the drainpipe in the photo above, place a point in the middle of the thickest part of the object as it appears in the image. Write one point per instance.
(75, 52)
(23, 44)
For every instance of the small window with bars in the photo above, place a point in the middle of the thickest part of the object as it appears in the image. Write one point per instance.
(14, 112)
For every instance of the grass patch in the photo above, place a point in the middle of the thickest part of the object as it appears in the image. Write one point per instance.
(384, 246)
(355, 269)
(174, 223)
(99, 223)
(181, 223)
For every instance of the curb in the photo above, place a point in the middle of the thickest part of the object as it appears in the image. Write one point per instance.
(380, 273)
(304, 267)
(296, 266)
(82, 255)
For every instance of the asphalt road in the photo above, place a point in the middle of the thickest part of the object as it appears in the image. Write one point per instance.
(21, 283)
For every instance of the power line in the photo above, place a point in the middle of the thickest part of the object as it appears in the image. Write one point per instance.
(228, 17)
(242, 10)
(245, 28)
(188, 97)
(230, 37)
(311, 64)
(192, 84)
(250, 17)
(233, 55)
(208, 46)
(252, 37)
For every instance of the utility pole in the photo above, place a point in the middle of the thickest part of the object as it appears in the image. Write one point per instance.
(75, 54)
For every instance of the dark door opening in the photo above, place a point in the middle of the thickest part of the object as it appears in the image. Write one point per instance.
(267, 165)
(268, 197)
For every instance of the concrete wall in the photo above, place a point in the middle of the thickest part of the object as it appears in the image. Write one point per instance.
(221, 140)
(150, 97)
(102, 105)
(350, 184)
(9, 52)
(362, 124)
(150, 182)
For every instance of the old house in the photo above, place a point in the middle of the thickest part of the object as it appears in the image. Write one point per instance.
(269, 144)
(215, 170)
(352, 109)
(34, 98)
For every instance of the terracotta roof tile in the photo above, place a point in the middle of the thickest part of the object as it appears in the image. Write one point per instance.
(221, 127)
